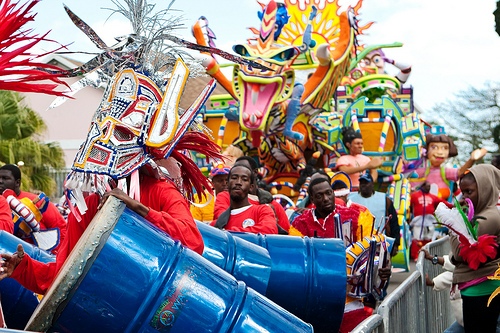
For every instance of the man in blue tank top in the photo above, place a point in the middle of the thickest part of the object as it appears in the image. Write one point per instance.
(381, 206)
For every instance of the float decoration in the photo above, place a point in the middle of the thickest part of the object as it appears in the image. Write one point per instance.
(270, 121)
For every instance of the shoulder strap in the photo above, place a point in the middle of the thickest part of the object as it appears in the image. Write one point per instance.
(223, 219)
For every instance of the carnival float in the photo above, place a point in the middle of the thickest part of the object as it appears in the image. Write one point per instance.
(295, 85)
(323, 81)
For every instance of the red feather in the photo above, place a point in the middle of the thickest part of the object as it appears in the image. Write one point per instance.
(192, 177)
(18, 67)
(479, 252)
(347, 214)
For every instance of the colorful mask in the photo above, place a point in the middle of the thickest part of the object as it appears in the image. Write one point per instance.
(139, 122)
(134, 125)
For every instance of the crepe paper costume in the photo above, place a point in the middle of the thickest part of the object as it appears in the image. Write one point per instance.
(139, 124)
(36, 219)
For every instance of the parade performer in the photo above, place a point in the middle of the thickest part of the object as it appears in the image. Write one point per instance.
(474, 242)
(330, 221)
(136, 147)
(423, 204)
(203, 211)
(257, 196)
(381, 206)
(326, 218)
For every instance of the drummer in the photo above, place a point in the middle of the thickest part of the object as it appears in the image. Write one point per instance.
(153, 183)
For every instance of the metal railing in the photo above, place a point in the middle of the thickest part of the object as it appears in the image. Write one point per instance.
(412, 306)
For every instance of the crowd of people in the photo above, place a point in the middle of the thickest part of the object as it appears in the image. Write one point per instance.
(239, 204)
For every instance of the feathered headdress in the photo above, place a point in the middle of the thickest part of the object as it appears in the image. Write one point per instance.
(473, 249)
(20, 69)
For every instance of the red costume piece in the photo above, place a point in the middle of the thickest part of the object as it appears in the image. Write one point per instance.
(308, 225)
(431, 202)
(353, 318)
(254, 218)
(223, 200)
(51, 219)
(168, 210)
(6, 216)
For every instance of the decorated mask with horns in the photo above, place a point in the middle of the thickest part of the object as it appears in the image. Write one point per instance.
(138, 123)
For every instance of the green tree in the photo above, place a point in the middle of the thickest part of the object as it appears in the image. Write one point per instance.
(20, 140)
(472, 119)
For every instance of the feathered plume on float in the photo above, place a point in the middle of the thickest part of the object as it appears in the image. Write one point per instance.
(473, 249)
(21, 70)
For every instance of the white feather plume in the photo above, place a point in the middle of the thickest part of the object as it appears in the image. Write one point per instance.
(453, 220)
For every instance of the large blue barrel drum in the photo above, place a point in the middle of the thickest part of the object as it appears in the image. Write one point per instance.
(125, 275)
(18, 303)
(308, 277)
(245, 261)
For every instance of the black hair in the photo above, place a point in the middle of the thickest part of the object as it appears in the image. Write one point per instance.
(16, 172)
(315, 182)
(250, 160)
(349, 134)
(324, 173)
(252, 174)
(308, 171)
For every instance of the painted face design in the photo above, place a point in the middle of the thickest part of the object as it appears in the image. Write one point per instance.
(374, 59)
(438, 153)
(134, 123)
(115, 142)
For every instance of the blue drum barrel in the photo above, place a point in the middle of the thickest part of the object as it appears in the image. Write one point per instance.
(245, 261)
(125, 275)
(308, 277)
(18, 303)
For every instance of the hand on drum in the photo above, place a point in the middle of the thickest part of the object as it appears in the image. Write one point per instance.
(10, 262)
(132, 204)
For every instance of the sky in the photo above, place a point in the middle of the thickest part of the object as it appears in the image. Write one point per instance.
(451, 44)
